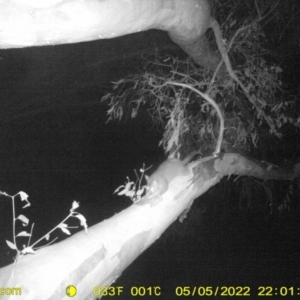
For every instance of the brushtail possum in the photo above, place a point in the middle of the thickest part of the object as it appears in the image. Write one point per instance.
(158, 183)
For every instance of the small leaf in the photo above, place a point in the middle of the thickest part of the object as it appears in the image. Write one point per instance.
(232, 23)
(128, 186)
(62, 225)
(130, 193)
(28, 250)
(23, 196)
(11, 245)
(26, 205)
(82, 221)
(65, 230)
(23, 219)
(123, 192)
(121, 186)
(75, 205)
(23, 233)
(81, 218)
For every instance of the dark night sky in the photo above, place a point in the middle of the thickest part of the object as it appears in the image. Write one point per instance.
(56, 146)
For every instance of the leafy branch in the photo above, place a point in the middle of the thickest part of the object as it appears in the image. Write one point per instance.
(251, 98)
(25, 221)
(134, 190)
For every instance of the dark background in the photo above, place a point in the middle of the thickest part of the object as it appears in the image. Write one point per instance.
(55, 145)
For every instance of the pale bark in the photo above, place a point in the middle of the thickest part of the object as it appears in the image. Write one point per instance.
(26, 23)
(99, 258)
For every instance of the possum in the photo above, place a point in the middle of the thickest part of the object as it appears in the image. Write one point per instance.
(158, 183)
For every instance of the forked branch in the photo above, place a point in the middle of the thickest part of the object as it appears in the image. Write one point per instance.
(216, 107)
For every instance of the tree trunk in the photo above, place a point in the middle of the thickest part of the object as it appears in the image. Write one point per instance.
(98, 258)
(25, 23)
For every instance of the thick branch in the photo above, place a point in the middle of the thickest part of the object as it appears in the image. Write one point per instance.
(98, 258)
(26, 23)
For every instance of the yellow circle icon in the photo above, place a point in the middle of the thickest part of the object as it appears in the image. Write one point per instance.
(71, 291)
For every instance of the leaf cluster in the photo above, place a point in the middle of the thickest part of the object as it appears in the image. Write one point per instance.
(31, 248)
(252, 97)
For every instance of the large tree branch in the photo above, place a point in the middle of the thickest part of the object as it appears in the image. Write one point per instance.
(97, 259)
(50, 22)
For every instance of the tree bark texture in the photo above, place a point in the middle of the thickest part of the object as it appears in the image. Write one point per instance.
(99, 258)
(26, 23)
